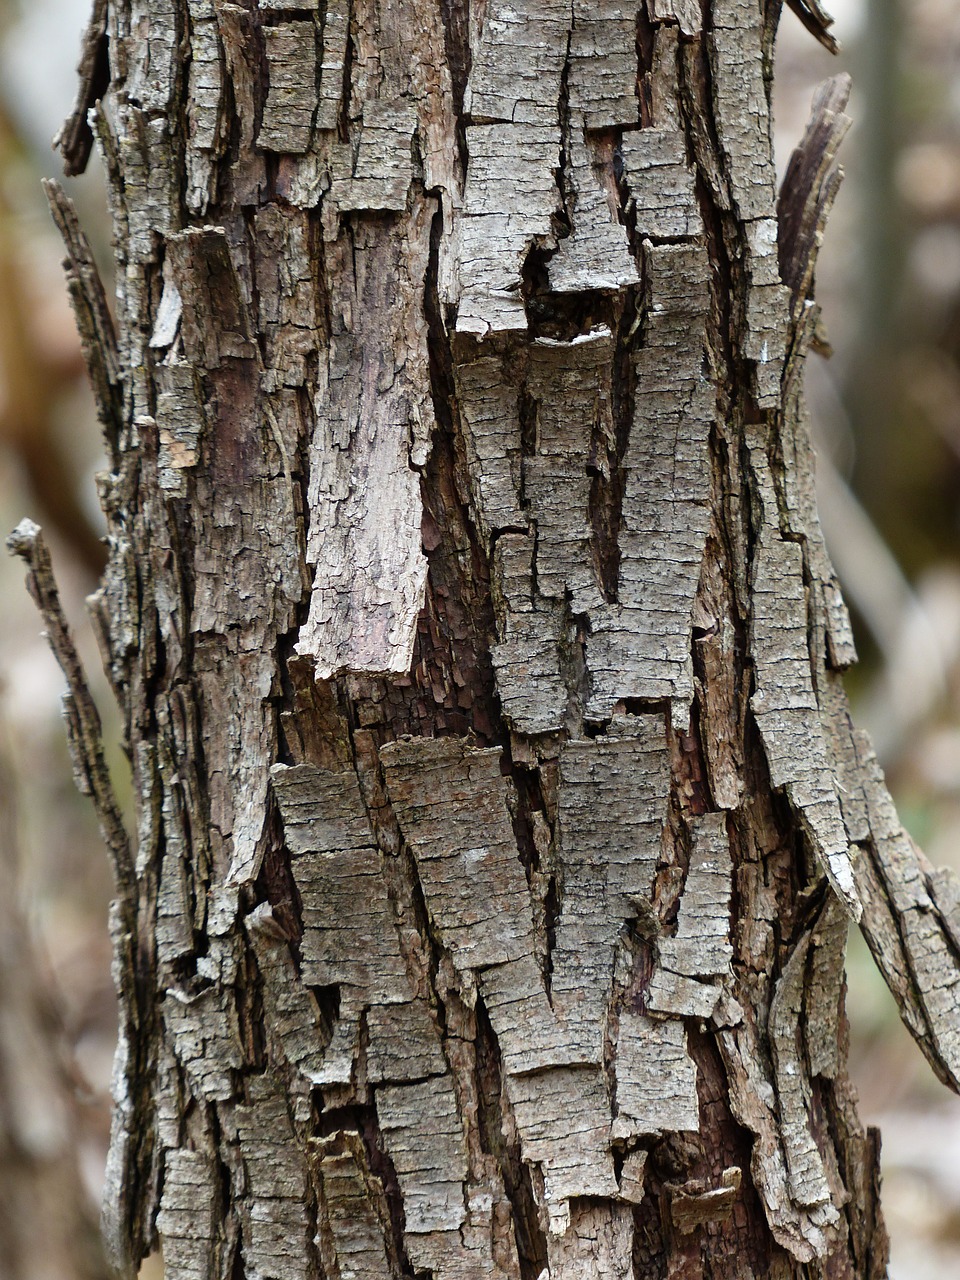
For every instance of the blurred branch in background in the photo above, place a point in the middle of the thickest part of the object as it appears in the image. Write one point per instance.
(40, 361)
(48, 1226)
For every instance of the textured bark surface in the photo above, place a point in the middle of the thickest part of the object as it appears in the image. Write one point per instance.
(499, 815)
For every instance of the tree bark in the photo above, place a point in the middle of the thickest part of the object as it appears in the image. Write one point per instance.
(499, 815)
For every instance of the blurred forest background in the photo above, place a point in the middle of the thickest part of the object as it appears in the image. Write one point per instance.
(886, 411)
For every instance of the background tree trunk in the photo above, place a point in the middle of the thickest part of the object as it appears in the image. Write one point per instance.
(499, 813)
(48, 1225)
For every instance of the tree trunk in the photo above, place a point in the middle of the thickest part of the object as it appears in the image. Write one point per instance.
(499, 815)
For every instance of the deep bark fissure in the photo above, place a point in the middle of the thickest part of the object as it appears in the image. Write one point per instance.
(531, 1242)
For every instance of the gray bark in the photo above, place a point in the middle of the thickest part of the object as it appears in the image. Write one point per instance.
(499, 814)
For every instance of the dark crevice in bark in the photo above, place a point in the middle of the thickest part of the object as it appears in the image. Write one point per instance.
(450, 688)
(696, 105)
(363, 1121)
(552, 900)
(563, 217)
(456, 39)
(574, 631)
(724, 1144)
(606, 488)
(248, 998)
(527, 805)
(515, 1173)
(527, 413)
(276, 883)
(645, 707)
(563, 316)
(526, 785)
(650, 1254)
(644, 47)
(238, 1271)
(689, 771)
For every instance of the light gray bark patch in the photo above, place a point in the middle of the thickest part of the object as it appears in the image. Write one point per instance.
(373, 426)
(563, 1117)
(799, 488)
(740, 101)
(166, 326)
(603, 63)
(404, 1043)
(850, 750)
(768, 311)
(510, 198)
(175, 920)
(490, 414)
(640, 647)
(656, 1078)
(238, 789)
(188, 1220)
(350, 935)
(336, 34)
(378, 176)
(799, 1229)
(743, 119)
(685, 13)
(571, 383)
(530, 1035)
(350, 941)
(532, 691)
(273, 1202)
(152, 205)
(180, 424)
(296, 1031)
(701, 947)
(824, 990)
(204, 1033)
(786, 711)
(613, 804)
(807, 1177)
(286, 285)
(204, 105)
(660, 182)
(517, 62)
(323, 812)
(632, 1176)
(288, 114)
(598, 1242)
(423, 1137)
(596, 254)
(215, 325)
(451, 802)
(151, 58)
(355, 1211)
